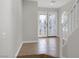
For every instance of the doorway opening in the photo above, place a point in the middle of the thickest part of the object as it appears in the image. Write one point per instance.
(47, 24)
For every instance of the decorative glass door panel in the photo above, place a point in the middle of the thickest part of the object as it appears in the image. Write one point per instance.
(52, 25)
(47, 24)
(42, 30)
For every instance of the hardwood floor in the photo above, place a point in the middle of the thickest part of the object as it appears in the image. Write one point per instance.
(44, 48)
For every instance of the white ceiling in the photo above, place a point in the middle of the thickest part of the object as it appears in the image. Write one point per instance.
(47, 3)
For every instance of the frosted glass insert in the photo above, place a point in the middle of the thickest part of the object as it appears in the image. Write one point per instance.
(76, 24)
(73, 20)
(78, 15)
(64, 19)
(42, 25)
(70, 22)
(65, 25)
(52, 25)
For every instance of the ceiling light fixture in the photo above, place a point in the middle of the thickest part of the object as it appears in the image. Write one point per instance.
(52, 2)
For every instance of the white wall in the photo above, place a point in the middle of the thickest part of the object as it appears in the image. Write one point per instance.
(9, 25)
(73, 41)
(30, 20)
(71, 48)
(17, 24)
(66, 8)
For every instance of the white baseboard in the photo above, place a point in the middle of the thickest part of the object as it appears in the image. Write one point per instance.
(63, 57)
(18, 49)
(29, 42)
(22, 44)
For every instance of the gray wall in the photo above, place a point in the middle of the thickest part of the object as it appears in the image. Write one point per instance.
(30, 21)
(71, 49)
(9, 25)
(73, 45)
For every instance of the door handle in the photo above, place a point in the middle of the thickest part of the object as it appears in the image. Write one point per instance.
(64, 42)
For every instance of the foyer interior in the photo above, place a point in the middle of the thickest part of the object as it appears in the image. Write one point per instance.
(39, 28)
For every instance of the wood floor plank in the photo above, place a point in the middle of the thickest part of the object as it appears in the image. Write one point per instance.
(44, 48)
